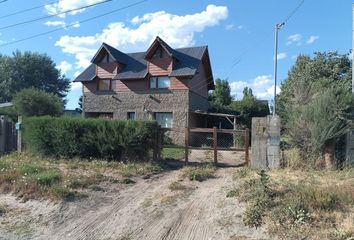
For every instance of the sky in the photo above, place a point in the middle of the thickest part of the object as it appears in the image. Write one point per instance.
(239, 33)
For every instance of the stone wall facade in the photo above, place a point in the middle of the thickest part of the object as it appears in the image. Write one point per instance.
(145, 104)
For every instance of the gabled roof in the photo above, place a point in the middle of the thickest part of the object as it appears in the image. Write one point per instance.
(114, 53)
(159, 42)
(135, 64)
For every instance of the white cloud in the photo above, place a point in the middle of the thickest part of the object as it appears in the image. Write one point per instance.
(65, 5)
(176, 30)
(75, 86)
(75, 24)
(281, 56)
(64, 66)
(262, 87)
(55, 23)
(229, 26)
(296, 38)
(312, 39)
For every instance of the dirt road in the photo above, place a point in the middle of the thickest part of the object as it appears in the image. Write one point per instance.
(148, 209)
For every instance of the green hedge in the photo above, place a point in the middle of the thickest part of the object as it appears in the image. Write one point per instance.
(89, 138)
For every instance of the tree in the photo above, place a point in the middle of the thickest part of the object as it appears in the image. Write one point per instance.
(33, 102)
(222, 94)
(25, 70)
(249, 106)
(79, 109)
(315, 104)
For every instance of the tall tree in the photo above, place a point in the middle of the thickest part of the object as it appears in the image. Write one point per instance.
(25, 70)
(316, 102)
(222, 94)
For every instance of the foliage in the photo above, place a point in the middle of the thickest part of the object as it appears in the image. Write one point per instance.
(296, 204)
(316, 102)
(26, 70)
(172, 153)
(222, 94)
(79, 109)
(33, 102)
(89, 138)
(249, 106)
(199, 173)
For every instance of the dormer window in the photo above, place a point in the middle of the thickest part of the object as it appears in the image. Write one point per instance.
(107, 59)
(104, 85)
(160, 82)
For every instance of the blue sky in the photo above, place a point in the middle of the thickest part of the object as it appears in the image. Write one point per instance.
(239, 31)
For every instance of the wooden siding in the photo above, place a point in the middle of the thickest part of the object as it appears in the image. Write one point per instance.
(107, 70)
(199, 83)
(134, 85)
(90, 86)
(179, 83)
(160, 66)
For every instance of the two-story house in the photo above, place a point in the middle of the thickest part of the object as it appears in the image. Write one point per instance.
(163, 84)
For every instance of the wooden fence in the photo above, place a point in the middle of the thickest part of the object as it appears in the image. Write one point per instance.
(8, 135)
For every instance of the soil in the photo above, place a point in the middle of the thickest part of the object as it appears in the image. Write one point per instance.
(148, 209)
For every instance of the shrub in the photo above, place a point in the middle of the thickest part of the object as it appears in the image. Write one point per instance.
(199, 173)
(89, 138)
(48, 178)
(33, 102)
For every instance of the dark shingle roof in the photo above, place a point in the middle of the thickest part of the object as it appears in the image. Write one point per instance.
(87, 75)
(135, 67)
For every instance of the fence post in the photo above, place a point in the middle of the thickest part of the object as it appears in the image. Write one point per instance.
(215, 144)
(19, 134)
(247, 145)
(186, 144)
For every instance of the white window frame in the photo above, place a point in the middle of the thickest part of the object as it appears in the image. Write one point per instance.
(167, 123)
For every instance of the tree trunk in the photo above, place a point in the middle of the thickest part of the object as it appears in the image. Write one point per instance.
(328, 155)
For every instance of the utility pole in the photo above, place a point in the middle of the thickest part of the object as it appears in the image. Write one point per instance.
(277, 28)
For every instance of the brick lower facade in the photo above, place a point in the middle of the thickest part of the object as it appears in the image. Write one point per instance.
(145, 104)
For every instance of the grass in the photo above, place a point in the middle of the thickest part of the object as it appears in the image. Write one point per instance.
(172, 153)
(33, 177)
(177, 186)
(300, 204)
(199, 173)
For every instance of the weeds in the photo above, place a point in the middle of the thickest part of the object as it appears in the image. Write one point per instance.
(199, 173)
(297, 206)
(241, 173)
(176, 186)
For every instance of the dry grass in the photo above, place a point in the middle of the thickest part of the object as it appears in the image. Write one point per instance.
(199, 173)
(301, 204)
(31, 176)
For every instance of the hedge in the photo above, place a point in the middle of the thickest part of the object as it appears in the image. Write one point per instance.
(89, 138)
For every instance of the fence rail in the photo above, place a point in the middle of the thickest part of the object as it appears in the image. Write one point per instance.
(208, 144)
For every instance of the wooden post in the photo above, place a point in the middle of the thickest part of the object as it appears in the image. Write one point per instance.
(247, 144)
(19, 135)
(215, 144)
(186, 144)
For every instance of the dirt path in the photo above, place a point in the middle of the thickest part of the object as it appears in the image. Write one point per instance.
(145, 210)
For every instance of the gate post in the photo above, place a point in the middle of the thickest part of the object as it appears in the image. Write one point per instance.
(247, 146)
(215, 144)
(186, 144)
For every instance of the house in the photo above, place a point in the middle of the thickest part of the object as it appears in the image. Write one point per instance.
(163, 84)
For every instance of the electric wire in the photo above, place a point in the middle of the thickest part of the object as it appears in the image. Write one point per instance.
(73, 24)
(53, 15)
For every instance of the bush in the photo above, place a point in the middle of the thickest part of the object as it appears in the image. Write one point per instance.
(33, 102)
(89, 138)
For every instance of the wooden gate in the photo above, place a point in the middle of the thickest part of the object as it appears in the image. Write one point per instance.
(220, 146)
(8, 135)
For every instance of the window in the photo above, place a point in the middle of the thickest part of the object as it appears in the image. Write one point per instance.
(160, 82)
(106, 115)
(105, 84)
(106, 59)
(131, 116)
(165, 119)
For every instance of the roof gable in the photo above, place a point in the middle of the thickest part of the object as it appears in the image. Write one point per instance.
(117, 55)
(158, 42)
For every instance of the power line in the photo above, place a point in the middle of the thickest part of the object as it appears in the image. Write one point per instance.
(2, 1)
(294, 11)
(26, 10)
(53, 15)
(73, 24)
